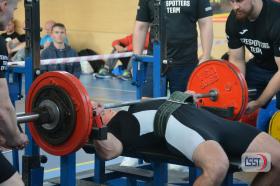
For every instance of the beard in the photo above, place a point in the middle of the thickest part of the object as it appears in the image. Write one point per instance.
(243, 15)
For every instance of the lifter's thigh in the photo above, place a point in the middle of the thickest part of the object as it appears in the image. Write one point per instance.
(265, 143)
(213, 160)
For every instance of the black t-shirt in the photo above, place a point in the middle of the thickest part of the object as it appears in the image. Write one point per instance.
(261, 37)
(3, 57)
(21, 38)
(181, 18)
(15, 35)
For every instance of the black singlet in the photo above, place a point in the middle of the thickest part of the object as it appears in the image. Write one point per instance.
(234, 137)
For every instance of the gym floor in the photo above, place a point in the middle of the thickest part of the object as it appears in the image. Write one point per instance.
(101, 90)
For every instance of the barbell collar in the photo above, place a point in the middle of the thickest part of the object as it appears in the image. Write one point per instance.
(212, 94)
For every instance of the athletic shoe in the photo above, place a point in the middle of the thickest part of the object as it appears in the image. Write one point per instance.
(129, 162)
(126, 75)
(103, 73)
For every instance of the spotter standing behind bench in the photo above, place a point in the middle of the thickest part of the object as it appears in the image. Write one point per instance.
(255, 24)
(202, 137)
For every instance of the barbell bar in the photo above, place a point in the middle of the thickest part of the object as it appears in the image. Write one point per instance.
(24, 118)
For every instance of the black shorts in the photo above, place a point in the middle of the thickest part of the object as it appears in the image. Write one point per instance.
(6, 169)
(233, 136)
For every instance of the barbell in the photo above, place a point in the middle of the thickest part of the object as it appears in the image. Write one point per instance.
(60, 115)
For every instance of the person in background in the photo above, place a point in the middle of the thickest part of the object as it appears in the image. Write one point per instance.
(47, 39)
(120, 46)
(58, 49)
(15, 42)
(181, 39)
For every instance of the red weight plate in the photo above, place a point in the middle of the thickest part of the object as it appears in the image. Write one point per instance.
(226, 80)
(250, 119)
(83, 107)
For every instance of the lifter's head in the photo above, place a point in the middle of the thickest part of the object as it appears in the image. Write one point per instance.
(7, 8)
(105, 114)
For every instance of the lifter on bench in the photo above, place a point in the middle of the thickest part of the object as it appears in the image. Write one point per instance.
(207, 140)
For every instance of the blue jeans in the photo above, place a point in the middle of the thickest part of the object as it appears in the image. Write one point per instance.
(258, 78)
(176, 76)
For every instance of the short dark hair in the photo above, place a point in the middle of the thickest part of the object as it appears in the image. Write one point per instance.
(60, 25)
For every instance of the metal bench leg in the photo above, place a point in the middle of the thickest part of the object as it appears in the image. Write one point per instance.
(160, 174)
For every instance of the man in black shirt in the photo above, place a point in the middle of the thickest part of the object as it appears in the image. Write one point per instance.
(181, 33)
(10, 32)
(255, 24)
(10, 136)
(15, 42)
(207, 140)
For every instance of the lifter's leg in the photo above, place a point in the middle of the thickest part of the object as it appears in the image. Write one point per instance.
(265, 143)
(213, 161)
